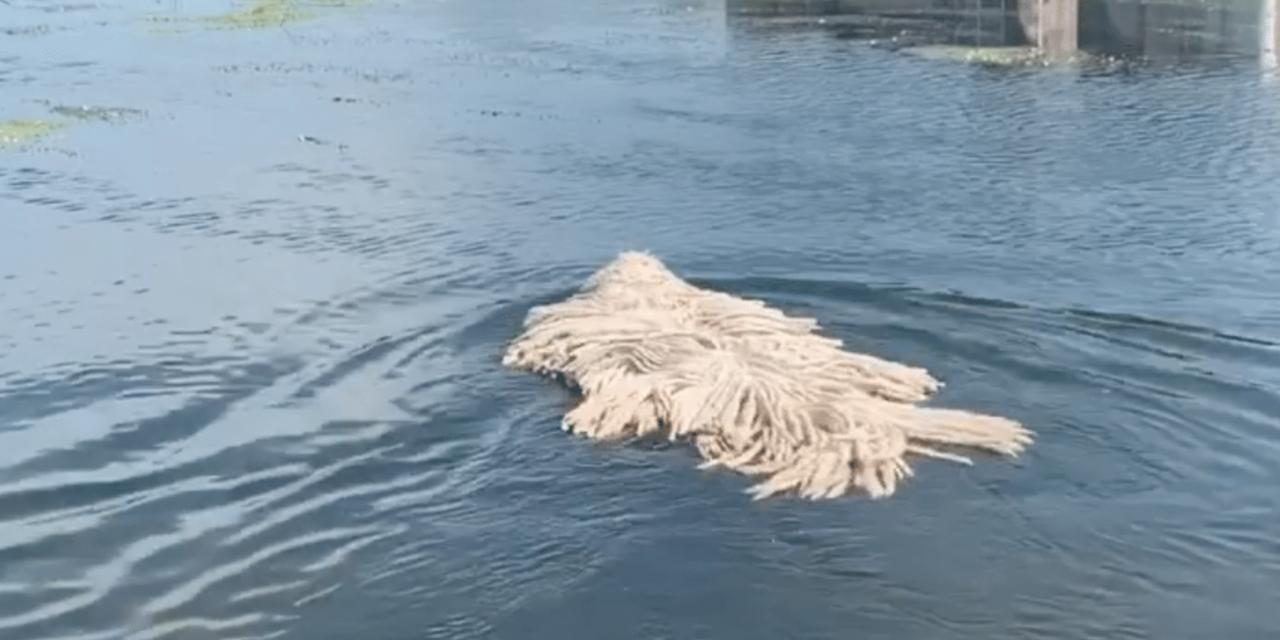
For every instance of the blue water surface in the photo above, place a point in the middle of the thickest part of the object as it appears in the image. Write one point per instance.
(253, 304)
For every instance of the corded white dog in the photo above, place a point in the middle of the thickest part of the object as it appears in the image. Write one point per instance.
(754, 390)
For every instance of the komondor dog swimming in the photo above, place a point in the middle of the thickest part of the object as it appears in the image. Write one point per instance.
(755, 390)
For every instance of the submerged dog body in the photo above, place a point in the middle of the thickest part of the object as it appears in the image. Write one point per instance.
(755, 390)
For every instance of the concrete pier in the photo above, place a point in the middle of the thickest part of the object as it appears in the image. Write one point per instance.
(1058, 28)
(1270, 34)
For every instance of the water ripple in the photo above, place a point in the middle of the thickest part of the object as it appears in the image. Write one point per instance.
(250, 363)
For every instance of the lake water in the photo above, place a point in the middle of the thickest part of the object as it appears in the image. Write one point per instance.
(253, 302)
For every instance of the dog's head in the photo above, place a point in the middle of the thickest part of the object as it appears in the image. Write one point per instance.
(634, 270)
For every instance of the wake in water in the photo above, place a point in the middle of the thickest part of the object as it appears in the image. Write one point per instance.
(755, 390)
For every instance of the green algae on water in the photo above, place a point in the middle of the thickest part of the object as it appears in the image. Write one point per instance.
(16, 133)
(259, 14)
(19, 132)
(262, 14)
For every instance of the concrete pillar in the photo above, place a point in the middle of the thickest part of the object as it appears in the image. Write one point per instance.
(1270, 36)
(1058, 27)
(1029, 20)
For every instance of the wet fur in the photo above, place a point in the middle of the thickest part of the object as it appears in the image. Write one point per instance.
(754, 390)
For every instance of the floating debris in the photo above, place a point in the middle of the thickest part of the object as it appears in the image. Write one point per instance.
(1002, 57)
(321, 143)
(1014, 58)
(32, 31)
(16, 133)
(99, 114)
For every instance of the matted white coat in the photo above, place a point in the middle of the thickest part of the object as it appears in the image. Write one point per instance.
(755, 390)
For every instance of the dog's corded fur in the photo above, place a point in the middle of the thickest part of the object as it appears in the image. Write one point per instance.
(754, 390)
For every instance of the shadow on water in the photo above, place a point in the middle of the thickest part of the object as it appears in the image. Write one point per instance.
(256, 283)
